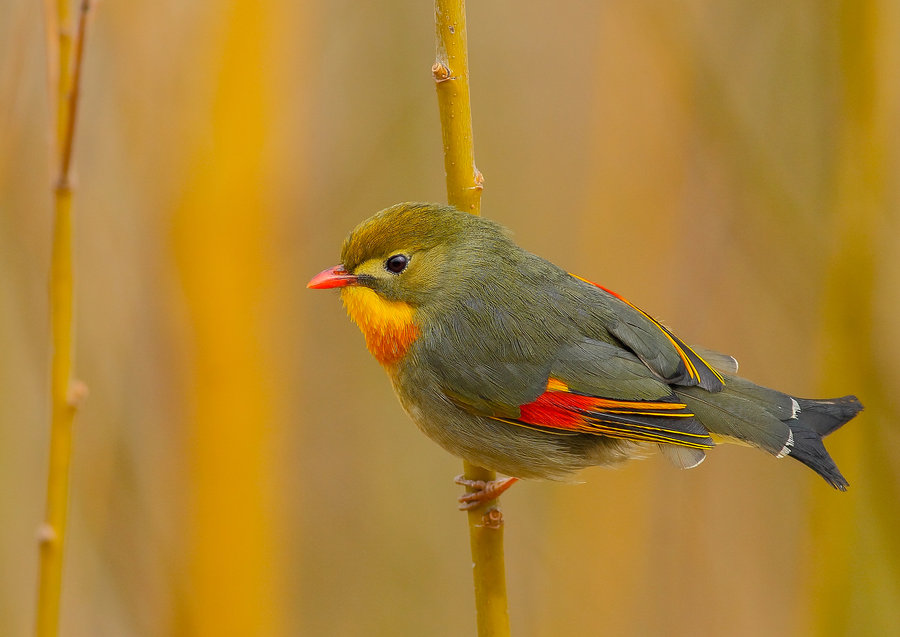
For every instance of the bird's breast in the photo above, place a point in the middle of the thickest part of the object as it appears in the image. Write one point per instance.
(388, 326)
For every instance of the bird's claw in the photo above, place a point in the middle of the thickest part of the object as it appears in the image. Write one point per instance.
(481, 491)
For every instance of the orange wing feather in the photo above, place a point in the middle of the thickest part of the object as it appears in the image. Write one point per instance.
(561, 411)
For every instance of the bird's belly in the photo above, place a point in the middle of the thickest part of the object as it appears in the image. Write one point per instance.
(506, 448)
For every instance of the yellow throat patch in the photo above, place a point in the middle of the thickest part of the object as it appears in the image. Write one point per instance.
(388, 326)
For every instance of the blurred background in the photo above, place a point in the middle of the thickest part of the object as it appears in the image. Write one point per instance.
(242, 467)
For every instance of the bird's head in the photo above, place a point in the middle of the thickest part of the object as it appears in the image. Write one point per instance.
(411, 252)
(405, 258)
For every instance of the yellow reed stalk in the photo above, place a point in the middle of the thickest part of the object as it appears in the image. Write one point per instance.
(464, 186)
(488, 562)
(64, 61)
(223, 241)
(451, 75)
(854, 562)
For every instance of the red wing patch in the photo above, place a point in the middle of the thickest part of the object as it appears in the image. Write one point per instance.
(562, 411)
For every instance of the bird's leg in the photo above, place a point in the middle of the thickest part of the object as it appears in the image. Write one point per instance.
(482, 491)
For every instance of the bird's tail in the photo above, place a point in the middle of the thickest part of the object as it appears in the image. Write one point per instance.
(775, 422)
(816, 419)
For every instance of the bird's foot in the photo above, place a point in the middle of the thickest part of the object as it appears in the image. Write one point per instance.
(482, 491)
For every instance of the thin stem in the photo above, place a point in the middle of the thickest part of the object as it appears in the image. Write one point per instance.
(451, 75)
(851, 302)
(63, 393)
(488, 562)
(67, 135)
(464, 186)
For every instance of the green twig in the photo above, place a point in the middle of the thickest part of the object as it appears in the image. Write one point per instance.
(451, 76)
(65, 63)
(464, 186)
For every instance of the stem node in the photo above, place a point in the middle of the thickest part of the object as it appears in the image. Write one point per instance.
(46, 534)
(441, 72)
(492, 519)
(78, 392)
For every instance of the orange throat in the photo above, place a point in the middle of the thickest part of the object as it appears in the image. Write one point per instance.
(388, 326)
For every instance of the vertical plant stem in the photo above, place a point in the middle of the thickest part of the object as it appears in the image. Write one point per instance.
(464, 186)
(63, 392)
(451, 75)
(223, 237)
(855, 538)
(488, 562)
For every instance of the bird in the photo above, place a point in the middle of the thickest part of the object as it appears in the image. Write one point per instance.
(518, 366)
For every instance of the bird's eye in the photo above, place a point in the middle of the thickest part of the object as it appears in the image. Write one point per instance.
(396, 263)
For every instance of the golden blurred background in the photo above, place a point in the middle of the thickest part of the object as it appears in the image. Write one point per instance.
(242, 467)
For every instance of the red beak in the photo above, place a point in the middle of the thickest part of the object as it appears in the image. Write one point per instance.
(336, 277)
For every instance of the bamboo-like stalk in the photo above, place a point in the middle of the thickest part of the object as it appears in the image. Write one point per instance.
(464, 186)
(851, 304)
(222, 238)
(64, 393)
(451, 75)
(488, 562)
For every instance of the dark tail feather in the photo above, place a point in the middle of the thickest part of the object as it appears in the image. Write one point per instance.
(818, 418)
(808, 448)
(824, 416)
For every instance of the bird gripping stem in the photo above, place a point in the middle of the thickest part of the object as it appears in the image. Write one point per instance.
(464, 186)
